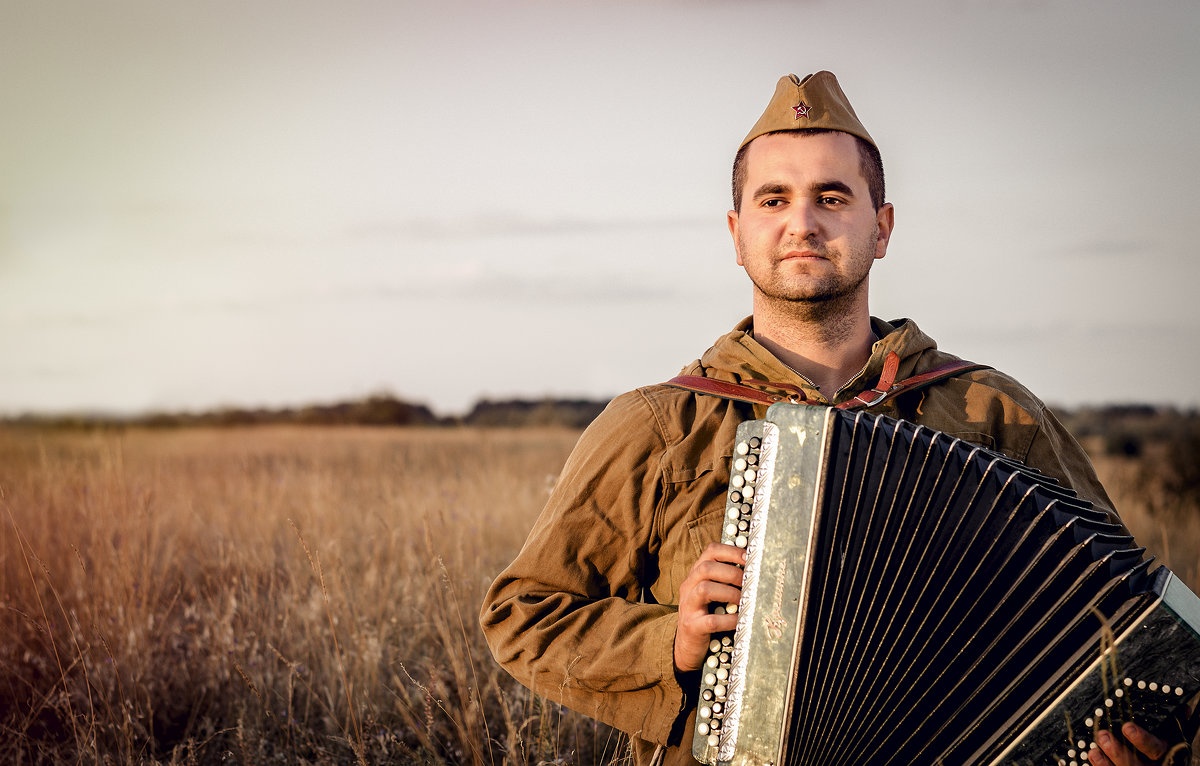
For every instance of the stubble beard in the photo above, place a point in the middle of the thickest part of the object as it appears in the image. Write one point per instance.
(809, 297)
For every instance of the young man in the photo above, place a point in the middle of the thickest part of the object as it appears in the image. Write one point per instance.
(606, 608)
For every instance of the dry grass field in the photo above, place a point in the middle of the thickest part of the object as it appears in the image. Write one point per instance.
(297, 594)
(269, 595)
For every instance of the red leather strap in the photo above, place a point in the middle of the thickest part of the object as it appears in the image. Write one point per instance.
(701, 385)
(887, 379)
(887, 387)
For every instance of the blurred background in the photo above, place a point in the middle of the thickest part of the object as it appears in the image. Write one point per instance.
(282, 202)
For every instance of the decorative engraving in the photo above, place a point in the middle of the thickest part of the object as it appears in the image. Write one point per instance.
(774, 623)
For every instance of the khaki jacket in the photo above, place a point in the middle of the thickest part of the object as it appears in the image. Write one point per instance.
(586, 613)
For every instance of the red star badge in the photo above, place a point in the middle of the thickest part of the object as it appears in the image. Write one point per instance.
(802, 109)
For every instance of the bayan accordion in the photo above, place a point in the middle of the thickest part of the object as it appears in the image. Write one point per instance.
(909, 597)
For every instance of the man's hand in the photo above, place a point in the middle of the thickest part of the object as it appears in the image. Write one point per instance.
(715, 577)
(1112, 752)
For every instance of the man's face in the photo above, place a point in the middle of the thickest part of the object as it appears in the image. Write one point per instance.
(807, 231)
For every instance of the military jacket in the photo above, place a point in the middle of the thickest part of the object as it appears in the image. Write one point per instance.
(586, 613)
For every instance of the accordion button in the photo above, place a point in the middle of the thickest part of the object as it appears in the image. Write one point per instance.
(705, 712)
(755, 442)
(719, 690)
(714, 645)
(748, 492)
(743, 448)
(722, 673)
(731, 529)
(740, 541)
(731, 608)
(713, 740)
(702, 728)
(751, 475)
(712, 661)
(710, 679)
(737, 480)
(1153, 686)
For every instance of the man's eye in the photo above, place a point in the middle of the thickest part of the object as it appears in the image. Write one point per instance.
(830, 201)
(772, 203)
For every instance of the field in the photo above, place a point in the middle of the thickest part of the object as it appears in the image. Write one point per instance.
(288, 594)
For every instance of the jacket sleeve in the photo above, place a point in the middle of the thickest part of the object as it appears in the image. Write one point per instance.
(570, 617)
(1055, 452)
(1006, 416)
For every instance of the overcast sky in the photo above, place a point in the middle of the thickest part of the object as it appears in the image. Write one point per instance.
(241, 202)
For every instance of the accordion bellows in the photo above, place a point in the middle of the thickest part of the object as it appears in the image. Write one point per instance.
(913, 598)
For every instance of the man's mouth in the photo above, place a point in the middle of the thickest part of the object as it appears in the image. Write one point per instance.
(802, 255)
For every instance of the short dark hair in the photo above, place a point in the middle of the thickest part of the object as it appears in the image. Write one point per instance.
(870, 163)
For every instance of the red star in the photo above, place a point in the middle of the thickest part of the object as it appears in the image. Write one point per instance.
(802, 110)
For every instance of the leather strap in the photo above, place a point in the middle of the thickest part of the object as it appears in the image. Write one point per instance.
(887, 387)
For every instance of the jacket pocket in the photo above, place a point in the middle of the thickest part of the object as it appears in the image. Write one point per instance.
(705, 529)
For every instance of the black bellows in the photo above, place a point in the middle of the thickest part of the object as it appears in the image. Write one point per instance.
(948, 584)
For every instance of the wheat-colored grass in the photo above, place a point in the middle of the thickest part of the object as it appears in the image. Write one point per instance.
(1168, 525)
(294, 595)
(265, 595)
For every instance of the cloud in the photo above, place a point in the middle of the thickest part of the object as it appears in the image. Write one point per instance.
(1111, 248)
(464, 287)
(493, 225)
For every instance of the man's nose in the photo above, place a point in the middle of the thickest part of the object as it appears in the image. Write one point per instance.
(802, 220)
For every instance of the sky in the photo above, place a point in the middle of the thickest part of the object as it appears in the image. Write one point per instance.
(209, 203)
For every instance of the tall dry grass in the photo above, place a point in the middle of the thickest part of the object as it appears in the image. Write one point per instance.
(1158, 501)
(268, 595)
(300, 595)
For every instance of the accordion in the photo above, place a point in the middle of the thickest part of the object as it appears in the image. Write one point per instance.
(909, 597)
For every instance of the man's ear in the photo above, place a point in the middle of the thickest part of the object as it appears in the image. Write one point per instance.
(885, 222)
(732, 219)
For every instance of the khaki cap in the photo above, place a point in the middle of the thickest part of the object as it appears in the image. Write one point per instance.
(816, 102)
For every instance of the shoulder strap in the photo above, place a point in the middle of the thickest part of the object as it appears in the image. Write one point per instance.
(887, 387)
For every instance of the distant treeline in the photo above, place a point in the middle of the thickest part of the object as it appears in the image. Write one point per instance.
(1127, 429)
(377, 410)
(1124, 427)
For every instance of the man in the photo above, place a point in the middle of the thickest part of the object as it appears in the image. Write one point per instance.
(606, 608)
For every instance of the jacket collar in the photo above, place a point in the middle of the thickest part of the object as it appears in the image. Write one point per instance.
(737, 356)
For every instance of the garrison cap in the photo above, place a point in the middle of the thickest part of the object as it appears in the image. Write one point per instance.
(816, 102)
